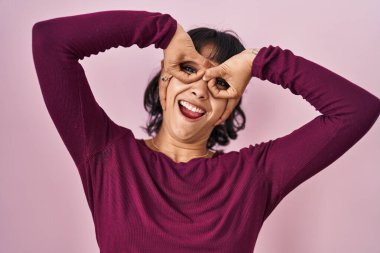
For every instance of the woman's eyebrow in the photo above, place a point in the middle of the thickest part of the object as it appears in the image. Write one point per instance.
(208, 64)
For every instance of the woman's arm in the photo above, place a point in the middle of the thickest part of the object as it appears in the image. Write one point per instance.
(348, 112)
(59, 43)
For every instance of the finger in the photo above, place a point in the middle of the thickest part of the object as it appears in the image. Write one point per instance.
(231, 92)
(163, 85)
(229, 108)
(213, 73)
(225, 114)
(231, 103)
(184, 77)
(217, 93)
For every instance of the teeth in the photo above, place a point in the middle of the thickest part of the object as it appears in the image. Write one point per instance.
(191, 107)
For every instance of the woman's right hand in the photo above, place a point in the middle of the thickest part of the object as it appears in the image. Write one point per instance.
(181, 49)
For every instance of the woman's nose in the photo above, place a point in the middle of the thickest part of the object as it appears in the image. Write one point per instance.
(200, 89)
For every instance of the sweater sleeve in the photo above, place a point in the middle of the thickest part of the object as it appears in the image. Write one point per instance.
(58, 44)
(347, 113)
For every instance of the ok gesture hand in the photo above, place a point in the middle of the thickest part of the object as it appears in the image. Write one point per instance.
(180, 49)
(236, 71)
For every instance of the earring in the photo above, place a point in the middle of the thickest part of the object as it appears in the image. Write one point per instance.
(165, 78)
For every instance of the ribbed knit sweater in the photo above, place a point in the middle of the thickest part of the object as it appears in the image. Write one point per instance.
(140, 199)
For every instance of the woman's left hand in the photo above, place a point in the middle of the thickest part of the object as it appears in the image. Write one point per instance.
(237, 72)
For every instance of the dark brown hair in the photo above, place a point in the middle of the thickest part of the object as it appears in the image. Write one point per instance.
(225, 45)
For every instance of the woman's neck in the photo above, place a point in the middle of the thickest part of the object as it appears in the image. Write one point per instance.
(179, 151)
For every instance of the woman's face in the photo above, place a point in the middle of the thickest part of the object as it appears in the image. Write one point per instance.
(175, 121)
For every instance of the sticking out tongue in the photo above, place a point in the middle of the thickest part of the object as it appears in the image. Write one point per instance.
(188, 113)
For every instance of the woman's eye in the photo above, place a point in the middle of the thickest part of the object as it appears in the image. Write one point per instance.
(222, 85)
(188, 69)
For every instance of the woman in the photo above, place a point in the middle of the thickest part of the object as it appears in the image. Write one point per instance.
(170, 193)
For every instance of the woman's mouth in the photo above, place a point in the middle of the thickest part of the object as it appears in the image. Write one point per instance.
(188, 112)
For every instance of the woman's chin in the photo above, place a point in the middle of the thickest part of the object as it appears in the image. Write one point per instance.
(185, 136)
(191, 133)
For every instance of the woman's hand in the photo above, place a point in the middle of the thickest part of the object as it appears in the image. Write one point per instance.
(181, 49)
(237, 72)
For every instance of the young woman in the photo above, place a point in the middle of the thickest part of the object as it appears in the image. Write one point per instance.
(171, 193)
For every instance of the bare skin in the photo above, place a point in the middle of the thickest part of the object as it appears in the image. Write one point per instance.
(193, 145)
(178, 138)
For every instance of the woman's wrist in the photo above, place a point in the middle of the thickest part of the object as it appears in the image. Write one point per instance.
(251, 53)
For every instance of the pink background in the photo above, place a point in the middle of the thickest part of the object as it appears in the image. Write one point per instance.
(42, 203)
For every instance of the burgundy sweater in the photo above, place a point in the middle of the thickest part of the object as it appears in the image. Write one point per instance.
(140, 199)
